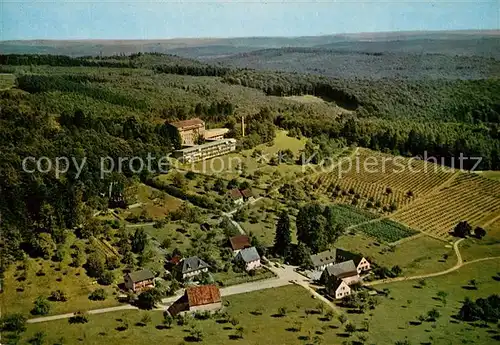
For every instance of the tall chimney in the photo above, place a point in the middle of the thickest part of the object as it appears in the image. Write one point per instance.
(242, 126)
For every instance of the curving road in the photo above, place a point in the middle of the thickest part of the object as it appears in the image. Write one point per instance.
(459, 264)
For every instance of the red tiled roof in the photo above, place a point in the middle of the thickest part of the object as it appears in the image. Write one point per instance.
(201, 295)
(176, 259)
(188, 123)
(240, 242)
(247, 193)
(235, 194)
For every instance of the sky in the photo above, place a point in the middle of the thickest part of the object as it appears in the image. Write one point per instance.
(155, 19)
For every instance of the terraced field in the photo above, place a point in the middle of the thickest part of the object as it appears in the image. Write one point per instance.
(375, 178)
(470, 197)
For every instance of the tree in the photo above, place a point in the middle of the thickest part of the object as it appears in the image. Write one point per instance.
(479, 232)
(196, 334)
(38, 338)
(433, 314)
(58, 296)
(311, 227)
(106, 278)
(96, 264)
(342, 318)
(146, 318)
(396, 270)
(442, 296)
(148, 299)
(42, 306)
(350, 327)
(302, 256)
(139, 240)
(98, 295)
(283, 237)
(167, 319)
(15, 323)
(239, 332)
(463, 229)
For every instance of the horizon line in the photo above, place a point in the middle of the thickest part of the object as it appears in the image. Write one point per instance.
(494, 31)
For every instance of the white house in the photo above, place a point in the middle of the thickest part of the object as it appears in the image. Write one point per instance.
(339, 289)
(192, 267)
(250, 257)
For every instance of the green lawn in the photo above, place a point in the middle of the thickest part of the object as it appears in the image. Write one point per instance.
(392, 316)
(18, 296)
(417, 256)
(491, 174)
(257, 313)
(233, 278)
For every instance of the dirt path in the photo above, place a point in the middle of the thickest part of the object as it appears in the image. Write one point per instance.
(458, 265)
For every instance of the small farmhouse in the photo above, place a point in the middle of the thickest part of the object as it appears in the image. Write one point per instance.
(321, 260)
(247, 195)
(250, 257)
(192, 267)
(139, 280)
(239, 242)
(197, 298)
(338, 289)
(236, 196)
(345, 271)
(361, 263)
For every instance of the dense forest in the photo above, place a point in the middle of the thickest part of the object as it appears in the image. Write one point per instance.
(118, 106)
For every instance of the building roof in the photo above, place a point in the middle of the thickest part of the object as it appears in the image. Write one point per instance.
(247, 193)
(344, 255)
(215, 132)
(342, 270)
(186, 124)
(206, 145)
(249, 254)
(193, 263)
(324, 258)
(201, 295)
(139, 276)
(240, 242)
(235, 194)
(336, 283)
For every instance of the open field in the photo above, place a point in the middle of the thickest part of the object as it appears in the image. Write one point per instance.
(257, 313)
(470, 197)
(18, 295)
(306, 99)
(418, 256)
(7, 81)
(393, 316)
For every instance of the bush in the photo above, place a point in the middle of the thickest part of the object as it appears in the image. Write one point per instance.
(42, 306)
(13, 323)
(58, 296)
(106, 278)
(98, 295)
(79, 317)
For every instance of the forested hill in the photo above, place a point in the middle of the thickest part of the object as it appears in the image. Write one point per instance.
(371, 63)
(118, 106)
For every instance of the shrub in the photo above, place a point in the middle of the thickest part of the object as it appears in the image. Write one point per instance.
(98, 295)
(13, 323)
(58, 296)
(79, 317)
(42, 306)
